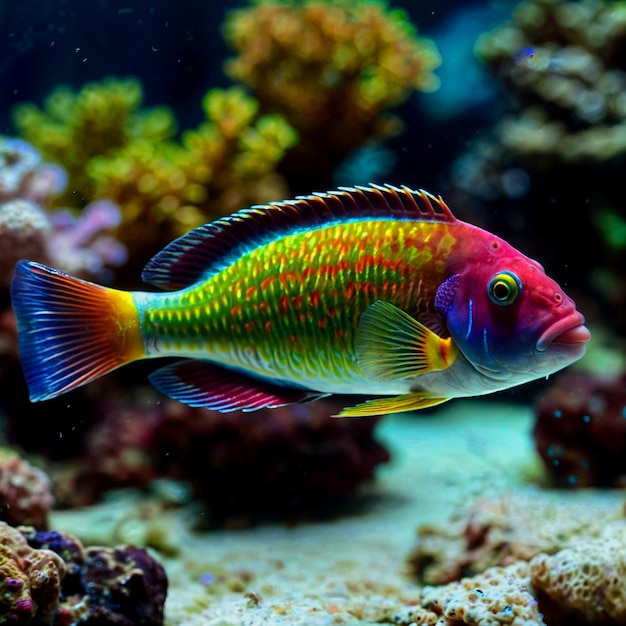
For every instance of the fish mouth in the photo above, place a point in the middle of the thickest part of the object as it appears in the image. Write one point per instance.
(571, 331)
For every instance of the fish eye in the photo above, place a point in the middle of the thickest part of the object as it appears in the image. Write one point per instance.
(504, 288)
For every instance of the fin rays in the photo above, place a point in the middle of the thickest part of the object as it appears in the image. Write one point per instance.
(206, 249)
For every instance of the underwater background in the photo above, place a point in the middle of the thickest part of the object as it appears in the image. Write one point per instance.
(124, 124)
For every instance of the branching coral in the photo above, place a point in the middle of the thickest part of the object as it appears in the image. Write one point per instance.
(102, 117)
(331, 68)
(114, 150)
(166, 188)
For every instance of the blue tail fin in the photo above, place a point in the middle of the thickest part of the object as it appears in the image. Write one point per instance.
(70, 331)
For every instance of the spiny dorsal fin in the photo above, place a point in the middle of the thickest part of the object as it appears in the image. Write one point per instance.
(210, 247)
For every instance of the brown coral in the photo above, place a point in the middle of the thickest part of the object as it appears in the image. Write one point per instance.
(331, 68)
(25, 492)
(500, 595)
(587, 579)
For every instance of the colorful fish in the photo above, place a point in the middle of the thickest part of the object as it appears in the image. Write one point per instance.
(373, 290)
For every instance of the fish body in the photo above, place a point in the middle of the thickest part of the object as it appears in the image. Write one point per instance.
(372, 290)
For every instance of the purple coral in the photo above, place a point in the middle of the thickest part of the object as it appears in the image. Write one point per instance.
(80, 245)
(123, 586)
(23, 175)
(30, 580)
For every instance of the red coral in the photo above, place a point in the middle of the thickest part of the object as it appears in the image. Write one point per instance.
(580, 430)
(295, 460)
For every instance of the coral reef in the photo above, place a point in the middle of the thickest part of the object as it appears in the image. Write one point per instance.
(25, 492)
(72, 128)
(97, 586)
(499, 531)
(312, 461)
(331, 68)
(114, 150)
(30, 579)
(542, 558)
(580, 430)
(29, 229)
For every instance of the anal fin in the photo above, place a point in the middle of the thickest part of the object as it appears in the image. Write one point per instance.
(204, 384)
(396, 404)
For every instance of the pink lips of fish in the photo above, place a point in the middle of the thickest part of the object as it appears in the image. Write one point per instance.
(569, 331)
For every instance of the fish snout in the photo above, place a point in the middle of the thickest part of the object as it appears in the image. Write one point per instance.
(569, 331)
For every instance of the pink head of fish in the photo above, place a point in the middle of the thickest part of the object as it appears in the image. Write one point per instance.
(510, 320)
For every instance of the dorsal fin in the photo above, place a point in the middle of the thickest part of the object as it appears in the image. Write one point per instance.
(208, 248)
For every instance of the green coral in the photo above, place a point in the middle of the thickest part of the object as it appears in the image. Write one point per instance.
(166, 188)
(72, 128)
(113, 149)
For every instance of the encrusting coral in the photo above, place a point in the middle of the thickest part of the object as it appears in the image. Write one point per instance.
(30, 579)
(500, 530)
(531, 559)
(331, 68)
(25, 492)
(587, 580)
(500, 595)
(49, 579)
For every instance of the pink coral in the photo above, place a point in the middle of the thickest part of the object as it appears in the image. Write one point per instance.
(25, 492)
(81, 245)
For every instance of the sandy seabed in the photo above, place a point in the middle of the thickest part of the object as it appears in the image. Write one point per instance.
(351, 569)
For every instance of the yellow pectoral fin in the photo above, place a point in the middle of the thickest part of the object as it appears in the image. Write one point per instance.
(392, 345)
(397, 404)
